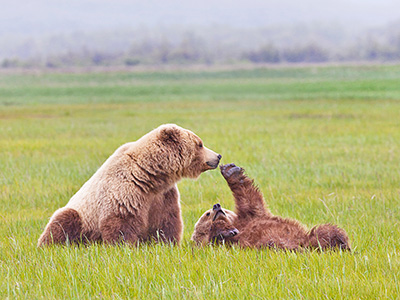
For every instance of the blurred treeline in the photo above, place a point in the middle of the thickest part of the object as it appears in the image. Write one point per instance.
(310, 43)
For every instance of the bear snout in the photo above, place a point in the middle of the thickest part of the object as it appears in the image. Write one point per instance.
(212, 158)
(216, 206)
(214, 162)
(218, 212)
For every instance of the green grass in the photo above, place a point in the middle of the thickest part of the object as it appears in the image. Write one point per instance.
(323, 143)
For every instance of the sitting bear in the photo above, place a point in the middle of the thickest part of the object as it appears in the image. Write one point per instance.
(253, 225)
(133, 196)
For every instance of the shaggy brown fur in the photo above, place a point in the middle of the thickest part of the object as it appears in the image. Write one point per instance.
(253, 225)
(65, 227)
(133, 196)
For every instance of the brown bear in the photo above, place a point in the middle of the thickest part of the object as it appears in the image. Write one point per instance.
(253, 225)
(133, 196)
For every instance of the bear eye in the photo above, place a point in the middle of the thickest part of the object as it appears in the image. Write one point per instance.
(201, 145)
(207, 214)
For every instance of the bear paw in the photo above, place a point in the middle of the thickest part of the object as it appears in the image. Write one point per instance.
(231, 171)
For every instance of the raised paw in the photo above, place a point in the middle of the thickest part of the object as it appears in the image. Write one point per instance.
(226, 167)
(231, 171)
(234, 170)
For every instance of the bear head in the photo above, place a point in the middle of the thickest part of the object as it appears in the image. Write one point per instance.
(214, 226)
(181, 151)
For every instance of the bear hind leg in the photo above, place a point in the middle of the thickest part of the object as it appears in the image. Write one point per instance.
(328, 236)
(65, 226)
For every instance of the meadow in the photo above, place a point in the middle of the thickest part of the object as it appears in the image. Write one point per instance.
(322, 142)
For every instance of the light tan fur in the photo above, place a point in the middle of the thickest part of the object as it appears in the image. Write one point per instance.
(133, 196)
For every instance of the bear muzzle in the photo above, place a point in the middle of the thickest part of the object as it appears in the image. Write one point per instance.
(212, 158)
(218, 212)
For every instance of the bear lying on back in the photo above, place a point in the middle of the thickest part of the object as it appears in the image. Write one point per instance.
(133, 196)
(253, 225)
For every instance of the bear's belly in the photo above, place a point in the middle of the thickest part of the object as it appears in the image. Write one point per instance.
(272, 234)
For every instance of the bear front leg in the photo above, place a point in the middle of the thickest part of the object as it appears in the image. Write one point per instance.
(249, 201)
(171, 225)
(328, 236)
(116, 229)
(64, 226)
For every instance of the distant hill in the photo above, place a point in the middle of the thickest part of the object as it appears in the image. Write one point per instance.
(44, 17)
(122, 32)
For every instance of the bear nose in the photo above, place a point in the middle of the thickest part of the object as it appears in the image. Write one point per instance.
(216, 206)
(219, 156)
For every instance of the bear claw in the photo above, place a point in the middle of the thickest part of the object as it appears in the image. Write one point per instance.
(233, 232)
(230, 165)
(232, 171)
(226, 169)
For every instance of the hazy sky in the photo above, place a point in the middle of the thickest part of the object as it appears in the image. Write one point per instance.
(53, 16)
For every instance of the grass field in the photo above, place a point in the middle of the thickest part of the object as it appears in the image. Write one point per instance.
(323, 143)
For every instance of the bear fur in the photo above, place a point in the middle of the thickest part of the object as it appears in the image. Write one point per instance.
(253, 225)
(133, 196)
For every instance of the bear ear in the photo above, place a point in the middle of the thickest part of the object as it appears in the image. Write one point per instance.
(169, 134)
